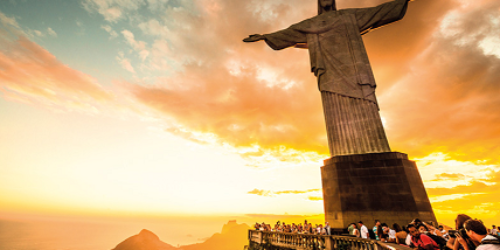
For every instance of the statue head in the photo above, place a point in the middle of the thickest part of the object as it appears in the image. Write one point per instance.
(326, 5)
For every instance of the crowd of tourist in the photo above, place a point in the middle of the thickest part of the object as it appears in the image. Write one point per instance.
(306, 228)
(469, 234)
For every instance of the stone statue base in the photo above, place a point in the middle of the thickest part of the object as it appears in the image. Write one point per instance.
(377, 186)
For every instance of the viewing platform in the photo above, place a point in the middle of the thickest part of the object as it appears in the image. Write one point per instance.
(264, 240)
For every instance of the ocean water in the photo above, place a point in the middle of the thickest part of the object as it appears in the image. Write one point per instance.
(66, 234)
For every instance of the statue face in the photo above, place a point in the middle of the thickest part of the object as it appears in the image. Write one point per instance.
(326, 3)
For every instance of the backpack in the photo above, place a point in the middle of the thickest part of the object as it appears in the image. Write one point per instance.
(495, 241)
(440, 241)
(371, 234)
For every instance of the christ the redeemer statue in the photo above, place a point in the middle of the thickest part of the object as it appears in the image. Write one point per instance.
(345, 78)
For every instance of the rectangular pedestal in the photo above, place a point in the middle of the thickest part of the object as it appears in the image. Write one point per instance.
(369, 187)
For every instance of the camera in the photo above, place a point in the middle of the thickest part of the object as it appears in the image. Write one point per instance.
(453, 233)
(460, 232)
(463, 234)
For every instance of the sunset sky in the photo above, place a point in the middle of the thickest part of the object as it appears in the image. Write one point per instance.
(157, 107)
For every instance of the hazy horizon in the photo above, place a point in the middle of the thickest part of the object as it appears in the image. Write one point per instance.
(86, 233)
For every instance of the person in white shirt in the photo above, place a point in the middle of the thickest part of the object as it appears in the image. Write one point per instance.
(390, 232)
(328, 229)
(364, 230)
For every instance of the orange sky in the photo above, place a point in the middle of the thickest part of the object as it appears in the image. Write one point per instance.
(188, 112)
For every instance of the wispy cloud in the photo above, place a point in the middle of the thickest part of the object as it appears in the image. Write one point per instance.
(112, 10)
(125, 63)
(109, 29)
(51, 32)
(30, 73)
(274, 193)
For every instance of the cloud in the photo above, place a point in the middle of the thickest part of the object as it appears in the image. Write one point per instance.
(315, 198)
(9, 22)
(273, 193)
(125, 63)
(447, 176)
(297, 191)
(222, 81)
(251, 97)
(112, 10)
(29, 73)
(260, 192)
(157, 5)
(450, 92)
(488, 185)
(51, 32)
(138, 46)
(479, 198)
(112, 33)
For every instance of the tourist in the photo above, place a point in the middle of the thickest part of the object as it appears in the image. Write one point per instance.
(381, 236)
(424, 229)
(363, 230)
(377, 224)
(433, 230)
(311, 229)
(350, 229)
(391, 234)
(444, 233)
(494, 230)
(477, 233)
(408, 237)
(400, 234)
(355, 230)
(306, 228)
(459, 226)
(421, 241)
(321, 230)
(328, 229)
(416, 221)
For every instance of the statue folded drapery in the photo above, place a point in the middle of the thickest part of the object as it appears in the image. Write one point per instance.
(345, 79)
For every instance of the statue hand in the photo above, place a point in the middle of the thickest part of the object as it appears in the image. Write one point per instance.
(253, 38)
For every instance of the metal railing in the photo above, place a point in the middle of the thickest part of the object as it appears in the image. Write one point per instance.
(316, 242)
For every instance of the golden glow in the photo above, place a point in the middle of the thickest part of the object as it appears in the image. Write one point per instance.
(184, 129)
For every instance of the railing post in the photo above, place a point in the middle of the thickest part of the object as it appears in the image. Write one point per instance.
(328, 243)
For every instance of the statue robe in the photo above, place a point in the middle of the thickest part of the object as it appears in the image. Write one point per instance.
(345, 79)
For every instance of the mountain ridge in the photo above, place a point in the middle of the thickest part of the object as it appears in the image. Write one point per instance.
(232, 236)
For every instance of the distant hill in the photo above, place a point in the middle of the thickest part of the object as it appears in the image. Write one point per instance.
(145, 240)
(233, 236)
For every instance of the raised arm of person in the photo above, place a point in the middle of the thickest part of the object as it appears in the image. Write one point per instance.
(451, 243)
(462, 242)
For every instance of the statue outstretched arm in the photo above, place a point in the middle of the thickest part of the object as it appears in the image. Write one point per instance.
(378, 16)
(282, 39)
(254, 38)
